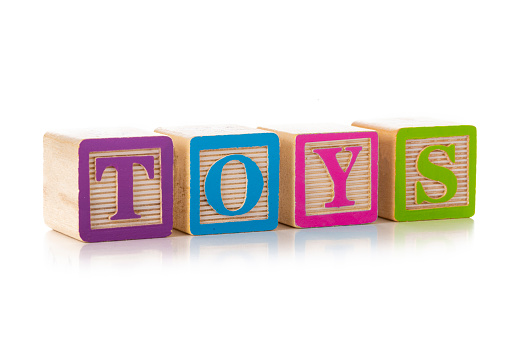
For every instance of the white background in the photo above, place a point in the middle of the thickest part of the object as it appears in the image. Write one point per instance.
(162, 63)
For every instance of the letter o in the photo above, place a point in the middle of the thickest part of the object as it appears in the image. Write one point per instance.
(254, 185)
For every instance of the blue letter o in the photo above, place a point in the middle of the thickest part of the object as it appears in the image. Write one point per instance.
(253, 190)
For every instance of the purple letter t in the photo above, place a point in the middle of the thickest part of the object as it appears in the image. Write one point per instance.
(125, 180)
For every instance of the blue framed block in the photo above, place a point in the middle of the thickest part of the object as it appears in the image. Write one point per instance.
(227, 179)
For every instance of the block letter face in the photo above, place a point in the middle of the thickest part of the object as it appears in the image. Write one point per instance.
(234, 183)
(338, 176)
(435, 172)
(254, 187)
(125, 181)
(126, 188)
(438, 173)
(336, 179)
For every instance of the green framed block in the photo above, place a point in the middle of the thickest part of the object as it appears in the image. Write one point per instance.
(427, 169)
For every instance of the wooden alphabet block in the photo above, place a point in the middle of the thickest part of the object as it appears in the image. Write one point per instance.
(227, 179)
(427, 169)
(108, 185)
(329, 175)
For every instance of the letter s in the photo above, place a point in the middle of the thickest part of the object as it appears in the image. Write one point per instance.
(437, 173)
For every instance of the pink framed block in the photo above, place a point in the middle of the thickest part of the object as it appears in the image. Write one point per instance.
(329, 175)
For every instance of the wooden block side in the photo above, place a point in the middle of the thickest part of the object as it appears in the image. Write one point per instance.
(286, 176)
(398, 123)
(76, 135)
(60, 184)
(181, 181)
(190, 132)
(386, 174)
(312, 128)
(386, 165)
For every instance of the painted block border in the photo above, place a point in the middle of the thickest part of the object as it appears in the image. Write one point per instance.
(271, 141)
(333, 219)
(134, 232)
(404, 134)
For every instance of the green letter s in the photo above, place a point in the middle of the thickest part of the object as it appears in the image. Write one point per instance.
(437, 173)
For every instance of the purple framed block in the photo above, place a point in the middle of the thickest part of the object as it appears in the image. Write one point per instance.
(108, 184)
(125, 188)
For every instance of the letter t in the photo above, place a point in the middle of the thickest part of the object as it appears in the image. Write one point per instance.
(125, 180)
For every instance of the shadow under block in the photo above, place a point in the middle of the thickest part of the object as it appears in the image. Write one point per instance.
(329, 175)
(226, 179)
(427, 169)
(108, 185)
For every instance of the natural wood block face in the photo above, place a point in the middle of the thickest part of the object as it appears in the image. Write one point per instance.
(430, 171)
(334, 175)
(229, 179)
(108, 185)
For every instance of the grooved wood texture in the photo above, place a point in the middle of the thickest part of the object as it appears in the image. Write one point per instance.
(319, 184)
(146, 192)
(433, 188)
(233, 184)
